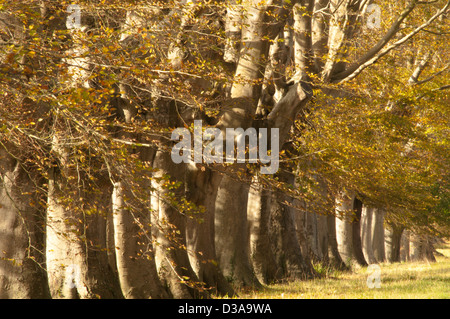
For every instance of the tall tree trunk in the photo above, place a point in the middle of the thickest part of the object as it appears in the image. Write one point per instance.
(169, 223)
(131, 232)
(334, 256)
(133, 247)
(233, 26)
(319, 34)
(393, 236)
(22, 186)
(77, 261)
(201, 189)
(356, 234)
(366, 233)
(22, 273)
(262, 257)
(416, 247)
(300, 227)
(421, 248)
(312, 235)
(302, 36)
(322, 237)
(245, 94)
(316, 240)
(77, 205)
(284, 240)
(404, 246)
(232, 233)
(232, 238)
(344, 229)
(429, 249)
(378, 235)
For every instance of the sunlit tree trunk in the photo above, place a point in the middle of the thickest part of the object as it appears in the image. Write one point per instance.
(22, 272)
(76, 257)
(366, 233)
(232, 242)
(22, 186)
(134, 254)
(169, 223)
(344, 229)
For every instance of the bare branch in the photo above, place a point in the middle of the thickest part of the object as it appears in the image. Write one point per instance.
(433, 76)
(369, 59)
(418, 70)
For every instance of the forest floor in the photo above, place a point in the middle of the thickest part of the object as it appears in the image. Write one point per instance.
(405, 280)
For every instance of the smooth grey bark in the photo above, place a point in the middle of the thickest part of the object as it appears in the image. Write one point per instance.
(302, 13)
(22, 191)
(356, 234)
(319, 33)
(22, 272)
(134, 255)
(322, 237)
(344, 229)
(131, 235)
(312, 227)
(300, 227)
(201, 189)
(316, 235)
(76, 258)
(76, 242)
(392, 241)
(169, 223)
(175, 233)
(284, 240)
(421, 248)
(240, 113)
(366, 233)
(404, 246)
(334, 256)
(378, 235)
(312, 235)
(348, 210)
(416, 248)
(342, 25)
(233, 24)
(232, 233)
(262, 257)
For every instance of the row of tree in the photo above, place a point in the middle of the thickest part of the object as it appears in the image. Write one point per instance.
(92, 204)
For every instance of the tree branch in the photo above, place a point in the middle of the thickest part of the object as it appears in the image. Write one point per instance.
(432, 76)
(358, 67)
(377, 47)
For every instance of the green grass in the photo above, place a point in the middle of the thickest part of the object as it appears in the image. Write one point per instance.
(408, 280)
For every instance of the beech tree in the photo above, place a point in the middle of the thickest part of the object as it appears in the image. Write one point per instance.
(95, 206)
